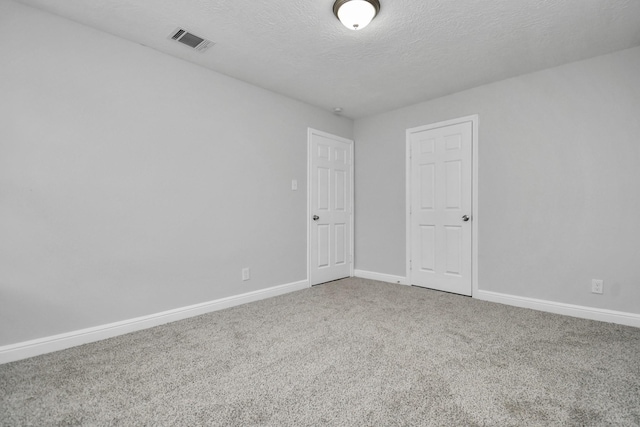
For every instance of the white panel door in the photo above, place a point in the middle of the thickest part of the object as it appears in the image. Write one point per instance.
(330, 207)
(440, 207)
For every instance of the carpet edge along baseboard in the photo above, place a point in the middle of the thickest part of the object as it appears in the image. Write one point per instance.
(36, 347)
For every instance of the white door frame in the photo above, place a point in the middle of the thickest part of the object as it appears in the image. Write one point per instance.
(350, 142)
(474, 194)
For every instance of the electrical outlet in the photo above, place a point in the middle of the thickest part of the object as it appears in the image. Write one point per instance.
(246, 274)
(597, 286)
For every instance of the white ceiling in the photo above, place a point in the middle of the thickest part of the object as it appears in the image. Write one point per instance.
(413, 51)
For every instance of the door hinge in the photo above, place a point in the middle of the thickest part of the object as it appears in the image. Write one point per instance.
(410, 265)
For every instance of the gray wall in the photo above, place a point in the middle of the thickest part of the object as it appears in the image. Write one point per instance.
(132, 182)
(559, 182)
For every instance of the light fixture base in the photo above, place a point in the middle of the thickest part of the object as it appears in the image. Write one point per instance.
(339, 3)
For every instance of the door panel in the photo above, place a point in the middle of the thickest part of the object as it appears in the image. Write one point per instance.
(322, 188)
(427, 248)
(331, 204)
(427, 186)
(440, 194)
(453, 190)
(341, 244)
(323, 240)
(453, 252)
(340, 202)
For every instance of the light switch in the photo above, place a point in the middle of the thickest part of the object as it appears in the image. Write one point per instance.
(294, 184)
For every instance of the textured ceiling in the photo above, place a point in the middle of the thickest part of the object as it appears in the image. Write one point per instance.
(413, 51)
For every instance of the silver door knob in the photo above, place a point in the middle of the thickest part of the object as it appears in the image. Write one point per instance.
(465, 218)
(316, 217)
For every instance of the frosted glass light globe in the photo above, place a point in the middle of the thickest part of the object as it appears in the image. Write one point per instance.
(356, 14)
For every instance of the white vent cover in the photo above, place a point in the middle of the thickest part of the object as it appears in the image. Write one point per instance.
(191, 40)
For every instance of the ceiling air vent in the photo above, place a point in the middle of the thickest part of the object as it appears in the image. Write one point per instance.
(191, 40)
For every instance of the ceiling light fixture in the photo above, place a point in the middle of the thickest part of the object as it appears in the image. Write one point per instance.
(356, 14)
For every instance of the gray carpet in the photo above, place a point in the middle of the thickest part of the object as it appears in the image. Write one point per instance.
(349, 353)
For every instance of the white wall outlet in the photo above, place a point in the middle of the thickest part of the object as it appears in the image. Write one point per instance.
(294, 184)
(246, 274)
(597, 286)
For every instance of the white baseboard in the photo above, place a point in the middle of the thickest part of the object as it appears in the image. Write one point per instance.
(592, 313)
(381, 277)
(603, 315)
(23, 350)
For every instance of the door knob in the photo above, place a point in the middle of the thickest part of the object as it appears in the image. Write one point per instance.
(316, 217)
(465, 218)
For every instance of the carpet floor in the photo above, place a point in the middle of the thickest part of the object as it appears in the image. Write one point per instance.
(353, 352)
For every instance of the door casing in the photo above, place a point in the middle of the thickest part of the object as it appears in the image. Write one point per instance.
(474, 193)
